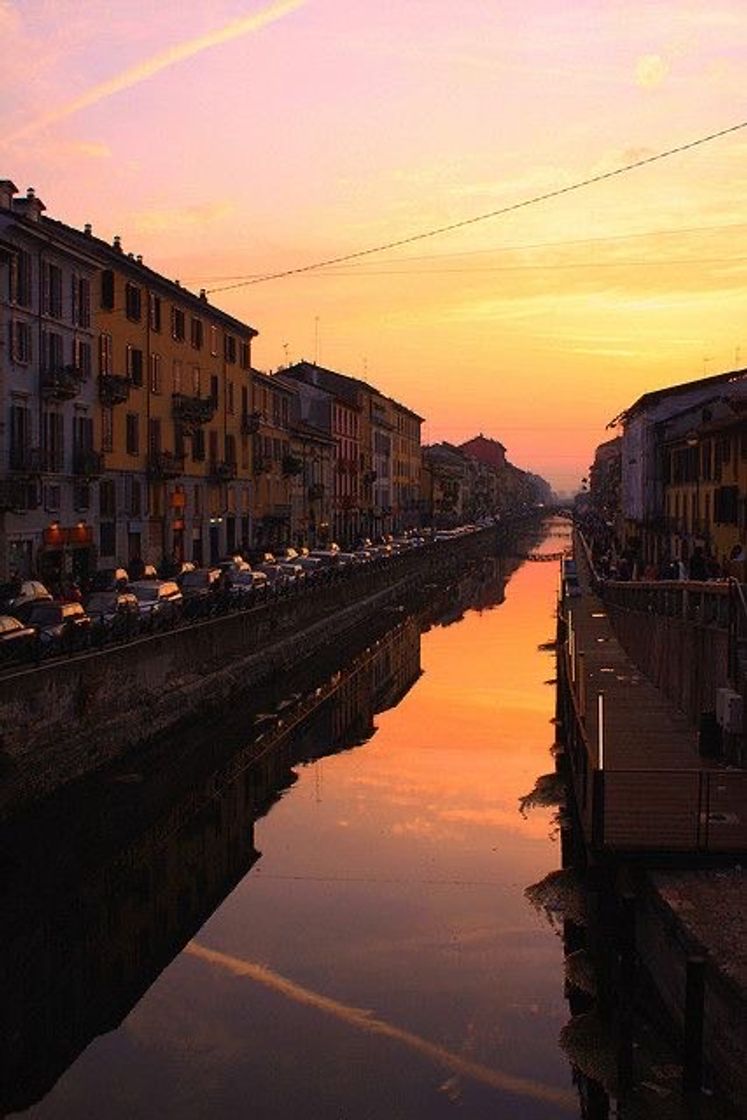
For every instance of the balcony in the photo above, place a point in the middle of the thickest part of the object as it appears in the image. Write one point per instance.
(316, 491)
(113, 389)
(250, 423)
(88, 463)
(18, 495)
(163, 465)
(192, 410)
(61, 383)
(292, 465)
(224, 471)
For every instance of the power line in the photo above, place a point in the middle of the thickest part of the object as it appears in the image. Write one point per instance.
(517, 247)
(557, 193)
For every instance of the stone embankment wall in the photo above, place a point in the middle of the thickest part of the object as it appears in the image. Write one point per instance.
(64, 719)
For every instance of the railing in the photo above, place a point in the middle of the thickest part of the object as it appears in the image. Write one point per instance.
(165, 464)
(250, 423)
(221, 471)
(61, 383)
(705, 603)
(113, 389)
(192, 410)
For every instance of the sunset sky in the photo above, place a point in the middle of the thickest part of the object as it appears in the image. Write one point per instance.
(228, 139)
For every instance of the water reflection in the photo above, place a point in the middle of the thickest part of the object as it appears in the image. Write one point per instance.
(392, 881)
(91, 914)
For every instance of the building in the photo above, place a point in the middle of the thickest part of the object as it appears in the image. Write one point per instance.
(704, 477)
(486, 450)
(642, 459)
(372, 434)
(50, 457)
(153, 463)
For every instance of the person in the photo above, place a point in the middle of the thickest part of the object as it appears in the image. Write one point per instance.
(137, 567)
(698, 569)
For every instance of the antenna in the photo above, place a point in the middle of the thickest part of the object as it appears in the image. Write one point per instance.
(285, 351)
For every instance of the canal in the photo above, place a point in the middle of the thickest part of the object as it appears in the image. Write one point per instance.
(339, 932)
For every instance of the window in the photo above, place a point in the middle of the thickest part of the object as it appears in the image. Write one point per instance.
(198, 445)
(133, 496)
(177, 324)
(229, 351)
(197, 496)
(154, 312)
(20, 278)
(20, 436)
(82, 356)
(214, 341)
(20, 341)
(51, 351)
(155, 373)
(214, 390)
(135, 365)
(52, 290)
(80, 294)
(53, 440)
(229, 398)
(176, 376)
(179, 449)
(725, 504)
(132, 439)
(52, 498)
(213, 443)
(107, 498)
(196, 380)
(81, 494)
(107, 289)
(196, 333)
(246, 355)
(230, 444)
(133, 302)
(107, 428)
(105, 353)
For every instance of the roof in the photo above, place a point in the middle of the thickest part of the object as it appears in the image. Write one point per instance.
(105, 253)
(652, 398)
(343, 382)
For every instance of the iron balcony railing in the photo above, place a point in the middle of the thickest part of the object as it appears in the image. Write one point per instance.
(192, 410)
(113, 389)
(61, 383)
(165, 464)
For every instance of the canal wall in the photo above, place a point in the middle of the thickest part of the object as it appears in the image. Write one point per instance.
(64, 719)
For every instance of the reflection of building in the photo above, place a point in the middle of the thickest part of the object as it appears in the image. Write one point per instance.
(86, 928)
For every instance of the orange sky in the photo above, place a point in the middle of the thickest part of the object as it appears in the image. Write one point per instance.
(230, 139)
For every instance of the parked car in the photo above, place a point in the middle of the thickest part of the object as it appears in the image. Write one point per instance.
(199, 588)
(31, 591)
(246, 582)
(159, 600)
(17, 642)
(58, 624)
(109, 579)
(116, 611)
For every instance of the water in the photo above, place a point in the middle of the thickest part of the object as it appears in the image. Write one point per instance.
(379, 958)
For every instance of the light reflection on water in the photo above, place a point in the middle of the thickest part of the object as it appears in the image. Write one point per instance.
(380, 959)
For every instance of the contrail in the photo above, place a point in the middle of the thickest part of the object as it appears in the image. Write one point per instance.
(161, 61)
(365, 1021)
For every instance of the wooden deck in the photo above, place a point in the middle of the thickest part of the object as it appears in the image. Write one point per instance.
(643, 786)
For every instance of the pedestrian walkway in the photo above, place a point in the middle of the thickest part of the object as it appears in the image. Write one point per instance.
(640, 781)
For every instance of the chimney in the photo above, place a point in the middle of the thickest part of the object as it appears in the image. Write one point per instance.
(7, 190)
(29, 207)
(117, 244)
(88, 229)
(203, 295)
(139, 258)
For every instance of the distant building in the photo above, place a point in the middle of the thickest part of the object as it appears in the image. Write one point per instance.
(485, 450)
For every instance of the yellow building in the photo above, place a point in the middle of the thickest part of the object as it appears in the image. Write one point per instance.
(174, 379)
(705, 482)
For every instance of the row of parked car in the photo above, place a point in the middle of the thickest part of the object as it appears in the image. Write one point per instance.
(34, 625)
